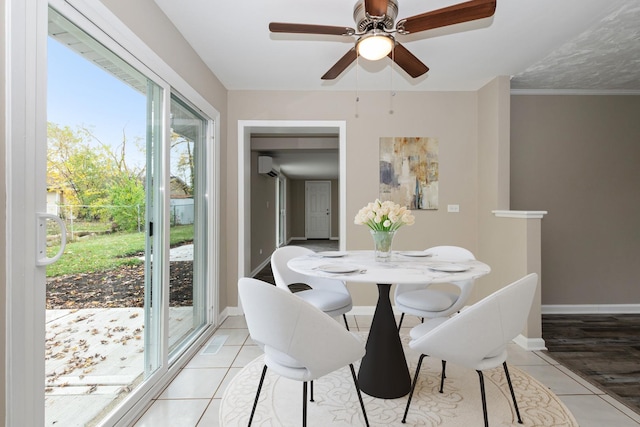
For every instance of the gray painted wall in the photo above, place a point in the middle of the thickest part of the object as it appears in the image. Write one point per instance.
(263, 213)
(578, 157)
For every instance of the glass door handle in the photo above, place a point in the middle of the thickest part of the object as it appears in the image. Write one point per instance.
(41, 244)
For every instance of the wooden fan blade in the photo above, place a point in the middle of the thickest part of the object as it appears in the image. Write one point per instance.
(283, 27)
(376, 7)
(456, 14)
(341, 65)
(407, 61)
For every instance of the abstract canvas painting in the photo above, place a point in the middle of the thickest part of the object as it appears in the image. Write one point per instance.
(409, 171)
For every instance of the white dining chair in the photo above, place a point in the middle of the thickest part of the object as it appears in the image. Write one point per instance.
(329, 295)
(419, 300)
(477, 337)
(299, 341)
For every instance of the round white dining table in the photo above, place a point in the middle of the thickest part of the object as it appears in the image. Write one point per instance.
(383, 371)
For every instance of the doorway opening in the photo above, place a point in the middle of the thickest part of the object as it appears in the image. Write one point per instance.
(245, 131)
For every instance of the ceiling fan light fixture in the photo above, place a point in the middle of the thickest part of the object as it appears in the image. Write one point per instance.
(375, 45)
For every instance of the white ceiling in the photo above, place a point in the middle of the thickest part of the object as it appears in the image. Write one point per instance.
(588, 46)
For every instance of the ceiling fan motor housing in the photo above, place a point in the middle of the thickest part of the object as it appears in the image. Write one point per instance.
(365, 23)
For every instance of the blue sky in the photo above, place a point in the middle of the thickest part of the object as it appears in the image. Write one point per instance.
(81, 94)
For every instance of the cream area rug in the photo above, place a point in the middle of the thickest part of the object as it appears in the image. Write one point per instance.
(336, 402)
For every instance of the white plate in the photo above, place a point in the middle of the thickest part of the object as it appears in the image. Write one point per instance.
(338, 268)
(449, 268)
(331, 254)
(414, 253)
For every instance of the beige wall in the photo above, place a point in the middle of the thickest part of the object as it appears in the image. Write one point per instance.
(578, 157)
(509, 245)
(492, 160)
(449, 116)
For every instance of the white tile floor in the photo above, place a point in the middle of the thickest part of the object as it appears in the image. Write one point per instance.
(193, 398)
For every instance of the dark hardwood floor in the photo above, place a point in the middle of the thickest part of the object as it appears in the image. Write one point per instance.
(602, 348)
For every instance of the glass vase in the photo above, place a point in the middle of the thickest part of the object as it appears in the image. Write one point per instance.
(382, 241)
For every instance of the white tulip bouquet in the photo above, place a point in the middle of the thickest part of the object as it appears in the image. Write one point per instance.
(384, 216)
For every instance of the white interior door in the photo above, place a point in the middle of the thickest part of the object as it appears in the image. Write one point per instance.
(318, 209)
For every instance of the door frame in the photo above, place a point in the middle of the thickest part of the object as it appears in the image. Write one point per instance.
(25, 124)
(245, 129)
(281, 211)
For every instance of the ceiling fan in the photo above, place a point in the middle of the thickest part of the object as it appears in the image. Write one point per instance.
(375, 34)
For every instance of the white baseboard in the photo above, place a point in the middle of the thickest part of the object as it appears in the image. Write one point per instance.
(591, 309)
(530, 343)
(229, 311)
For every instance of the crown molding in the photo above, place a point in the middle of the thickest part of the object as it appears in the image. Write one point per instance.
(615, 92)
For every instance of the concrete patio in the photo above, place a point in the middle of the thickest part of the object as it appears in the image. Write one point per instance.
(94, 358)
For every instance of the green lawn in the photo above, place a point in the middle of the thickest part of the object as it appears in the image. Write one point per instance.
(108, 251)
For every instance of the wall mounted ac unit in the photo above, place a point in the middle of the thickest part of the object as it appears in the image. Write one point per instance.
(265, 166)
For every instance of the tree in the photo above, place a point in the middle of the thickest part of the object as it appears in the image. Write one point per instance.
(75, 168)
(128, 199)
(126, 193)
(182, 151)
(94, 175)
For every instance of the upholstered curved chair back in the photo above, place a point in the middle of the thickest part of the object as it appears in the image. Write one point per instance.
(450, 253)
(442, 253)
(284, 276)
(477, 337)
(299, 340)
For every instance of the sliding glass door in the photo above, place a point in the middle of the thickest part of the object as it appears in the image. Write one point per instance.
(126, 174)
(188, 226)
(104, 295)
